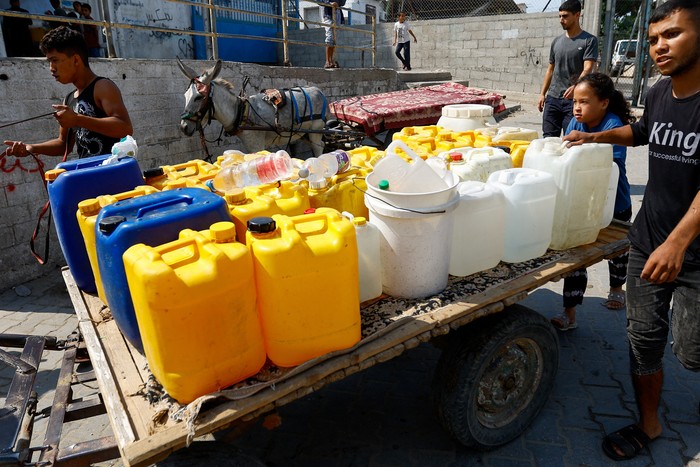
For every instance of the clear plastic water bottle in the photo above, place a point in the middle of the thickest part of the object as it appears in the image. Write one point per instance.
(265, 169)
(326, 165)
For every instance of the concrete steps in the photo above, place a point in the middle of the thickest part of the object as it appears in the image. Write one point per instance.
(419, 78)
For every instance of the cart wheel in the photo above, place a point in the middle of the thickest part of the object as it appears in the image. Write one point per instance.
(494, 377)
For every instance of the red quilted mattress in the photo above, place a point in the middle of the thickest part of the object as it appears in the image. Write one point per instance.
(412, 107)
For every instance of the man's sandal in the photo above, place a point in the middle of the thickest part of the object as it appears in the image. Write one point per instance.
(629, 441)
(562, 322)
(615, 301)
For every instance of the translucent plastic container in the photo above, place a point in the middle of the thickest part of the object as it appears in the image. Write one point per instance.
(479, 163)
(530, 198)
(87, 218)
(370, 265)
(582, 175)
(415, 246)
(195, 304)
(153, 220)
(609, 210)
(506, 133)
(306, 274)
(266, 169)
(416, 177)
(74, 181)
(462, 117)
(478, 236)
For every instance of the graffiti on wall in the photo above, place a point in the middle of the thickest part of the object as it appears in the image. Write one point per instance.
(532, 56)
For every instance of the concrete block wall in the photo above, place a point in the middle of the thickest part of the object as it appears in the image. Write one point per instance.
(499, 53)
(153, 92)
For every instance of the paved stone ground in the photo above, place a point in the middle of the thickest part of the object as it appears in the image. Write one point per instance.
(384, 416)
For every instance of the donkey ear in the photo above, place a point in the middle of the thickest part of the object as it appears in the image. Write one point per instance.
(216, 69)
(189, 72)
(211, 73)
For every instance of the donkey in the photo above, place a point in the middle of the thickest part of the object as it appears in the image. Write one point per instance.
(262, 120)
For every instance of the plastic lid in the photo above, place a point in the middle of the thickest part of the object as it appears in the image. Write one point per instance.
(109, 224)
(383, 184)
(456, 156)
(223, 232)
(261, 225)
(467, 110)
(153, 173)
(359, 221)
(303, 172)
(89, 207)
(235, 196)
(51, 175)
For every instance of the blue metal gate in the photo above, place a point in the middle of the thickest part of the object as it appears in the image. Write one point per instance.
(248, 24)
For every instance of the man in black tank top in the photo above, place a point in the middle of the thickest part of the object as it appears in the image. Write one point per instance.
(93, 116)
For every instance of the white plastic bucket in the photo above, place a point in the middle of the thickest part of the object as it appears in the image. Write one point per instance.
(478, 236)
(530, 199)
(415, 247)
(582, 175)
(413, 200)
(463, 117)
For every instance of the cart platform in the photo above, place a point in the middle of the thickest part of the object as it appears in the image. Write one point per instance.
(148, 425)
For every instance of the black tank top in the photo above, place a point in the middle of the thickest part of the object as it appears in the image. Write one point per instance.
(89, 143)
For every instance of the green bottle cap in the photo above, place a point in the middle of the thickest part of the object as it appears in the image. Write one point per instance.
(383, 184)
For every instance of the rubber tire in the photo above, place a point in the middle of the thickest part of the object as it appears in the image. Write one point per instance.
(471, 352)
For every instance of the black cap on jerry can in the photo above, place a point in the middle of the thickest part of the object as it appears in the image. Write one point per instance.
(153, 173)
(261, 224)
(110, 223)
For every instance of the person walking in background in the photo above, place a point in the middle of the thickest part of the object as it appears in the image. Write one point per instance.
(92, 38)
(93, 116)
(402, 41)
(571, 56)
(664, 259)
(598, 106)
(15, 31)
(332, 15)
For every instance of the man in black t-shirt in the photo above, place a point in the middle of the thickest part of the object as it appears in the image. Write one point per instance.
(93, 116)
(664, 264)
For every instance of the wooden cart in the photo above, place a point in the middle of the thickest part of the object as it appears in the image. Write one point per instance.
(512, 343)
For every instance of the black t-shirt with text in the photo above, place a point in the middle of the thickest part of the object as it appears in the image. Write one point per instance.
(671, 128)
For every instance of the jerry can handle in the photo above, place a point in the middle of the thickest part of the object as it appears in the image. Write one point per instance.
(295, 221)
(485, 150)
(195, 244)
(140, 190)
(163, 204)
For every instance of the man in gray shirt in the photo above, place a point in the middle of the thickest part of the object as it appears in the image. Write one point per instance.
(571, 56)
